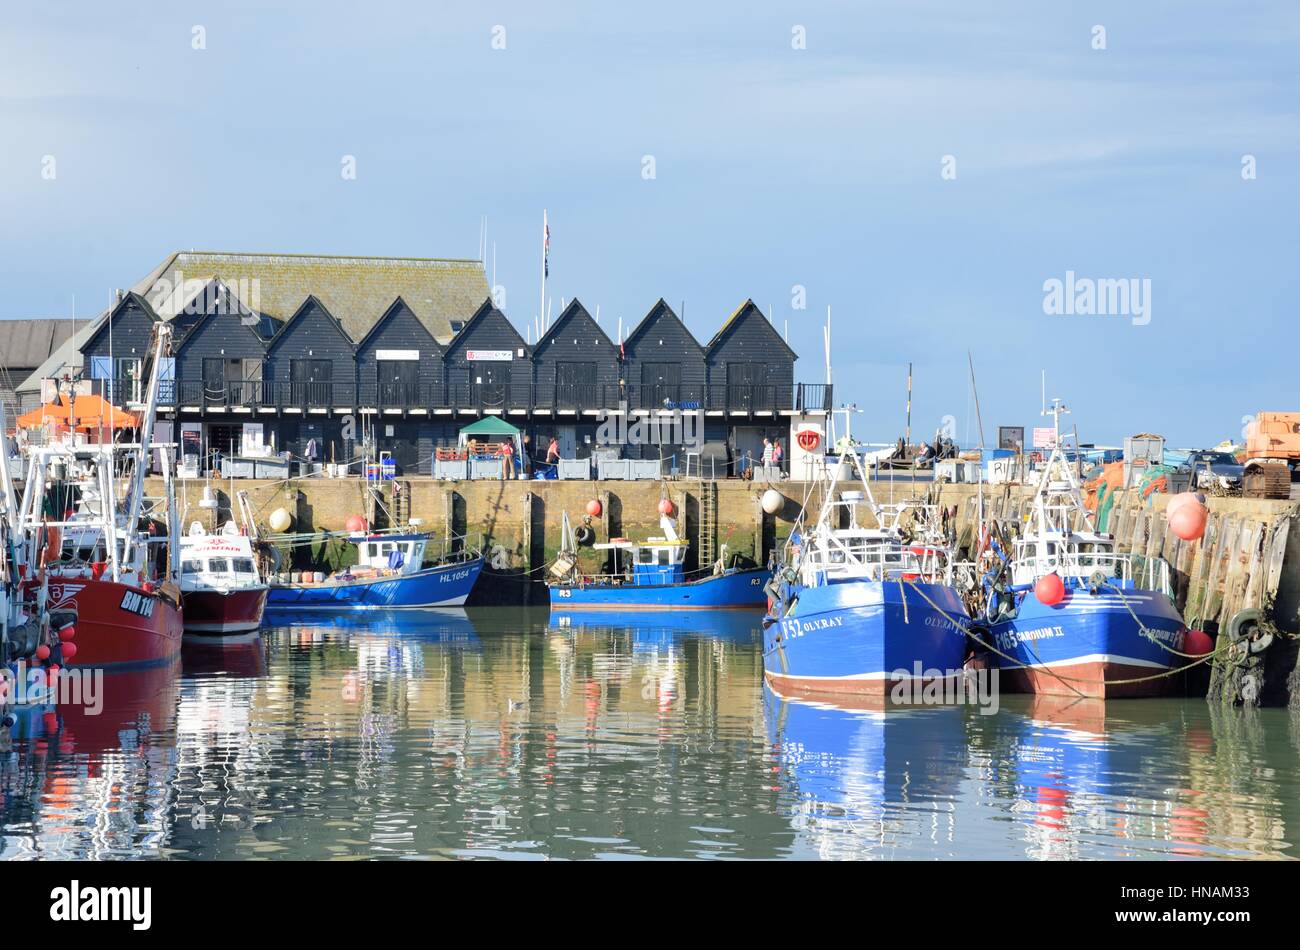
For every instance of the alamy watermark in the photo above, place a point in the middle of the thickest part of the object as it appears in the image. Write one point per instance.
(242, 297)
(965, 687)
(1103, 297)
(674, 427)
(31, 685)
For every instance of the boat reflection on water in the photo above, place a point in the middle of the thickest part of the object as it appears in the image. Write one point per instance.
(91, 779)
(870, 778)
(1087, 776)
(233, 656)
(664, 627)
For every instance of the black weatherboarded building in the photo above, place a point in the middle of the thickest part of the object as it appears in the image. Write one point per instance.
(303, 354)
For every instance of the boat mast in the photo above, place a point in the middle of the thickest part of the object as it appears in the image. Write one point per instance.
(135, 498)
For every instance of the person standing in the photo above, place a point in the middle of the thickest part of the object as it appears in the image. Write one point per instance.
(778, 454)
(526, 457)
(553, 452)
(767, 452)
(507, 460)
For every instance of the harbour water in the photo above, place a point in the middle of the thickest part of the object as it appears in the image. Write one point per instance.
(532, 735)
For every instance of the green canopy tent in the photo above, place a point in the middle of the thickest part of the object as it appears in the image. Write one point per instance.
(494, 429)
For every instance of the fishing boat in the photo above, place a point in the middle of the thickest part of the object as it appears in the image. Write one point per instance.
(1066, 612)
(221, 587)
(857, 609)
(87, 544)
(651, 575)
(390, 574)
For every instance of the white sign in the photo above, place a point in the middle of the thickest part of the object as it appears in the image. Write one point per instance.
(397, 354)
(1044, 438)
(489, 356)
(250, 443)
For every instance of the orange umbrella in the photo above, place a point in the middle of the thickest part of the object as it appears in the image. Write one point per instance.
(89, 411)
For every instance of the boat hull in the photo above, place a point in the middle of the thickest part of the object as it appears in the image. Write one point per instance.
(222, 612)
(863, 637)
(444, 586)
(737, 590)
(1090, 644)
(120, 625)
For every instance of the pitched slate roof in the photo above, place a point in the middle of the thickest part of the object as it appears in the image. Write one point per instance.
(745, 311)
(485, 310)
(357, 290)
(573, 311)
(26, 344)
(660, 307)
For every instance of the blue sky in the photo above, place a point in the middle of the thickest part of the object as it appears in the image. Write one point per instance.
(775, 167)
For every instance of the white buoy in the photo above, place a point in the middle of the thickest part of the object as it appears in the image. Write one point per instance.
(280, 520)
(208, 500)
(773, 501)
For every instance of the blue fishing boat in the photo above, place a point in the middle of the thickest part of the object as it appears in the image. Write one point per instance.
(857, 609)
(390, 574)
(1098, 625)
(651, 575)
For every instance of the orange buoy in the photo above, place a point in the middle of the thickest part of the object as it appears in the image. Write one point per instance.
(1049, 589)
(665, 507)
(594, 508)
(1198, 642)
(42, 652)
(69, 650)
(355, 524)
(1189, 521)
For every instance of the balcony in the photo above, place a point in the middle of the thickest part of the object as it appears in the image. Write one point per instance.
(477, 397)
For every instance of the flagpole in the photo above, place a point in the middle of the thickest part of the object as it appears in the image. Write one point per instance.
(542, 309)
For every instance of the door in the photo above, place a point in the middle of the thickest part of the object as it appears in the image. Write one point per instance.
(575, 385)
(214, 380)
(490, 379)
(309, 381)
(661, 384)
(399, 383)
(745, 384)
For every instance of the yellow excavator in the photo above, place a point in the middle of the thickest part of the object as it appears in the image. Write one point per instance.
(1272, 454)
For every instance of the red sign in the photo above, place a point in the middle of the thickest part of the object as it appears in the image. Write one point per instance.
(808, 439)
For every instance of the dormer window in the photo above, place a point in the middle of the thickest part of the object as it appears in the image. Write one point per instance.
(457, 326)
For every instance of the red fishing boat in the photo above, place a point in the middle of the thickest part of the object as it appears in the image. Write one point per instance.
(87, 545)
(221, 587)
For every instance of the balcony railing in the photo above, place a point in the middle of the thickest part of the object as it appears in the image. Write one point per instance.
(279, 394)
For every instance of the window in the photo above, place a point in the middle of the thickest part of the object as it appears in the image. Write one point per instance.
(218, 565)
(191, 567)
(663, 557)
(244, 565)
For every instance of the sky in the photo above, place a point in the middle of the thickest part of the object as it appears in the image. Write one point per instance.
(923, 168)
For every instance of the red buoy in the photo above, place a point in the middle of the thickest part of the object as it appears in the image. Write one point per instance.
(355, 524)
(1189, 520)
(1198, 643)
(42, 652)
(594, 508)
(69, 651)
(665, 507)
(1049, 589)
(68, 633)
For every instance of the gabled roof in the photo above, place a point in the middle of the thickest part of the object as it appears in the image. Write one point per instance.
(392, 308)
(485, 310)
(25, 344)
(359, 290)
(660, 309)
(310, 303)
(262, 328)
(747, 311)
(574, 311)
(128, 299)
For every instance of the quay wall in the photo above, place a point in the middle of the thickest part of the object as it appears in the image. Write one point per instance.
(1249, 556)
